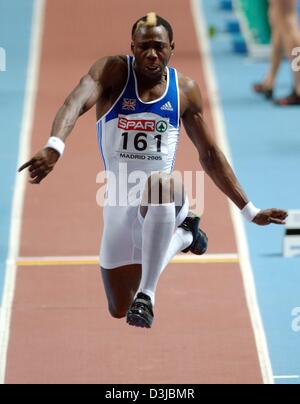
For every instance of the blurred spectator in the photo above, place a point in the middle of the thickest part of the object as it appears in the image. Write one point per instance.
(285, 38)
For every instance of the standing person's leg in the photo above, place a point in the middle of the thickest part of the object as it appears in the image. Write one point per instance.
(290, 27)
(266, 87)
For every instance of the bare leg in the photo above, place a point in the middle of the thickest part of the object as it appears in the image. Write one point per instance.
(121, 285)
(266, 87)
(289, 25)
(277, 48)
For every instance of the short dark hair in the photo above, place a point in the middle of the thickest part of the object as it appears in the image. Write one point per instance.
(153, 20)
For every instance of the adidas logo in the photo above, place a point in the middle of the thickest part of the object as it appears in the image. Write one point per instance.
(167, 107)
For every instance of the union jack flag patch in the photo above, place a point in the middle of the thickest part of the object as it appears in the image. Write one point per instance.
(129, 105)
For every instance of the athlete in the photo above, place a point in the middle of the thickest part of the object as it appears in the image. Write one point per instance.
(140, 104)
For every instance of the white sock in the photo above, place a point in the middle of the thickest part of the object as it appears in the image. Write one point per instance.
(158, 231)
(181, 240)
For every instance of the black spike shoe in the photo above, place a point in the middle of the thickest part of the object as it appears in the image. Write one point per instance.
(200, 242)
(141, 312)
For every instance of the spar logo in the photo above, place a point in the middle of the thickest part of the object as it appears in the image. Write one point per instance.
(145, 125)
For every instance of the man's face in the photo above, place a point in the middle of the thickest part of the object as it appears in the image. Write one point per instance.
(152, 50)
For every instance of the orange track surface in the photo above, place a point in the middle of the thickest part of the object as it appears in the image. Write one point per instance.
(61, 331)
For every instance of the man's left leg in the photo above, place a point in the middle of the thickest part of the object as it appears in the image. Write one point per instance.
(163, 201)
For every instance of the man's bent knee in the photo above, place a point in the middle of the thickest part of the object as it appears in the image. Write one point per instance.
(160, 189)
(163, 188)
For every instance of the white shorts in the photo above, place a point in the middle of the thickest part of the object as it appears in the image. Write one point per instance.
(121, 243)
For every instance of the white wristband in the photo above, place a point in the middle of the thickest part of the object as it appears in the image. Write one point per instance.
(56, 144)
(250, 212)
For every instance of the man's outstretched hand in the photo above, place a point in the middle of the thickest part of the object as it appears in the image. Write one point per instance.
(271, 216)
(41, 165)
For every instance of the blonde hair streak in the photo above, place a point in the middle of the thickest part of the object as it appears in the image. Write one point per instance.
(150, 22)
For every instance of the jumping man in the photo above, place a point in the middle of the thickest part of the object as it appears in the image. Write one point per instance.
(140, 105)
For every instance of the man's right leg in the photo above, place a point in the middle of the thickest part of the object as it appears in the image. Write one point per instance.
(121, 285)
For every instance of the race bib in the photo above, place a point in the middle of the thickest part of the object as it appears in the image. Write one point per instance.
(143, 137)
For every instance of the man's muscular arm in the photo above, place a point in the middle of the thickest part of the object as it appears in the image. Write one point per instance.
(82, 99)
(213, 159)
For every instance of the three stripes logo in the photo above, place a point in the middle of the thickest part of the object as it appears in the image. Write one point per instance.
(167, 107)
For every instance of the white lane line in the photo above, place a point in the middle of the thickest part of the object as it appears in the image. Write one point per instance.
(286, 377)
(240, 233)
(20, 184)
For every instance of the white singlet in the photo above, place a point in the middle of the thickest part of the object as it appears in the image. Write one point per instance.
(136, 139)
